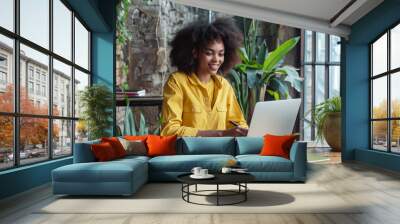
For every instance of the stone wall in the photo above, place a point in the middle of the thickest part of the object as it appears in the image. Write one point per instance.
(152, 24)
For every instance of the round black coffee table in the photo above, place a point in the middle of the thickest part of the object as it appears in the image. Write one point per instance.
(238, 179)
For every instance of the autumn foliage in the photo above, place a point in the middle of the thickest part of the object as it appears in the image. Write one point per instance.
(33, 130)
(379, 128)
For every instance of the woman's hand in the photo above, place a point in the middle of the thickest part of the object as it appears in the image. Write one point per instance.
(236, 131)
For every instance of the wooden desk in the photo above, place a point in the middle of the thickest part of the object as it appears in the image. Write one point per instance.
(142, 101)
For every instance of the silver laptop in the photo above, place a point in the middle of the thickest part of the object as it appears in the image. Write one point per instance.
(274, 117)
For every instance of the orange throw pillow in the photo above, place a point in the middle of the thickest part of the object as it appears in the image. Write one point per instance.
(103, 151)
(161, 145)
(135, 138)
(275, 145)
(116, 145)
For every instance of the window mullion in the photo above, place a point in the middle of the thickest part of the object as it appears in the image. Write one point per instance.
(73, 82)
(50, 81)
(313, 76)
(302, 96)
(327, 52)
(389, 101)
(16, 84)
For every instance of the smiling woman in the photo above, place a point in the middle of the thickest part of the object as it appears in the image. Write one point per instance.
(198, 101)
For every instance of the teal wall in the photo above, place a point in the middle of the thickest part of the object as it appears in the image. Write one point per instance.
(355, 94)
(24, 178)
(99, 15)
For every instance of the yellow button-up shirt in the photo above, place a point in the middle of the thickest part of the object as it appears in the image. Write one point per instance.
(187, 107)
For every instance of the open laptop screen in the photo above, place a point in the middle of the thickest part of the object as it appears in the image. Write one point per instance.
(274, 117)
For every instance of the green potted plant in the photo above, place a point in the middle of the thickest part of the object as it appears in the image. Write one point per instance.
(327, 120)
(261, 72)
(96, 103)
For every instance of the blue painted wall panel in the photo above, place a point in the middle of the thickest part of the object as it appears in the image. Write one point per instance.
(356, 93)
(356, 100)
(380, 159)
(24, 178)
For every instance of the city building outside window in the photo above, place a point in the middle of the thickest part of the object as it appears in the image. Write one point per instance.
(38, 89)
(384, 92)
(3, 72)
(321, 71)
(36, 110)
(30, 87)
(3, 78)
(30, 72)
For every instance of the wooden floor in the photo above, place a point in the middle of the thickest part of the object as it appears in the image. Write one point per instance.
(377, 188)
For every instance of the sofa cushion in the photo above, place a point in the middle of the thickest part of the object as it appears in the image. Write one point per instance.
(277, 145)
(116, 145)
(111, 171)
(185, 163)
(83, 152)
(130, 158)
(257, 163)
(161, 145)
(249, 145)
(135, 137)
(103, 152)
(134, 147)
(209, 145)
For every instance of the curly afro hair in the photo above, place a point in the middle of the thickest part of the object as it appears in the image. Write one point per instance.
(196, 36)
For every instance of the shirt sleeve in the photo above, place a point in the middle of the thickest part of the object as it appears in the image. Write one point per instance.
(234, 111)
(172, 111)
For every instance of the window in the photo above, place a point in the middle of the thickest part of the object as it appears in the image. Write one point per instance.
(38, 74)
(321, 72)
(3, 61)
(39, 80)
(30, 72)
(63, 75)
(38, 89)
(44, 91)
(385, 96)
(7, 85)
(34, 22)
(3, 78)
(30, 87)
(7, 14)
(81, 45)
(3, 72)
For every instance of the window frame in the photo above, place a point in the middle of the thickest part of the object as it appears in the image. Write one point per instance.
(16, 114)
(388, 74)
(314, 63)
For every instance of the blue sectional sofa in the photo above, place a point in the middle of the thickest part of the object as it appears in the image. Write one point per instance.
(125, 176)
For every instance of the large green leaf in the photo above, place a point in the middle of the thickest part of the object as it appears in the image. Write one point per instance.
(279, 53)
(243, 55)
(143, 130)
(262, 53)
(292, 76)
(129, 122)
(252, 78)
(274, 94)
(281, 87)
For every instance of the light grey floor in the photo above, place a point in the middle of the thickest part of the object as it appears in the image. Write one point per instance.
(379, 189)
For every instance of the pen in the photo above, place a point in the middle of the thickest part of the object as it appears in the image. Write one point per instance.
(234, 123)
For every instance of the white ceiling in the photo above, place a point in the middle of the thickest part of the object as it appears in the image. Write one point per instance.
(317, 15)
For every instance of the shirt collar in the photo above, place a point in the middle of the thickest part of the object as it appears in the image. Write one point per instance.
(194, 80)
